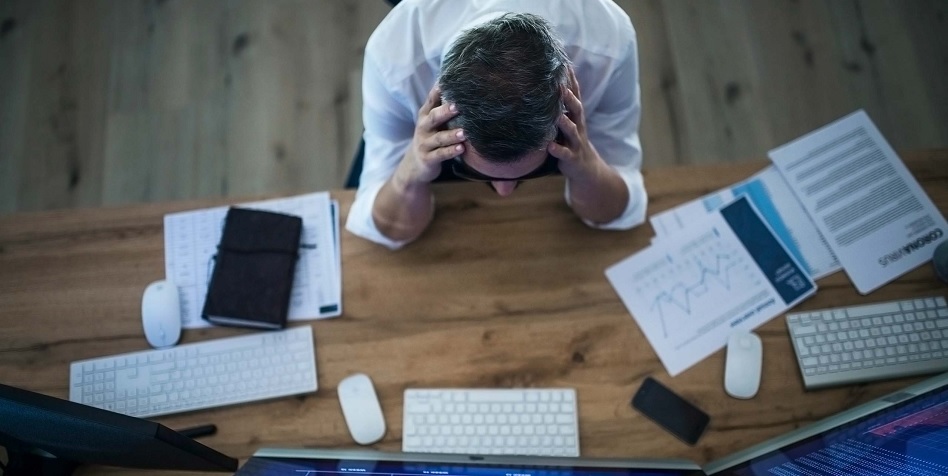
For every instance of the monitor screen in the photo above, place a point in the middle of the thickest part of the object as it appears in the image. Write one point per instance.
(909, 438)
(41, 432)
(407, 464)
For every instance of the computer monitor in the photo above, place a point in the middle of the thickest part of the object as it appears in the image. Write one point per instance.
(271, 461)
(50, 436)
(902, 433)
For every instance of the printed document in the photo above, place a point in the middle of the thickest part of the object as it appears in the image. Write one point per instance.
(871, 210)
(191, 240)
(777, 204)
(690, 291)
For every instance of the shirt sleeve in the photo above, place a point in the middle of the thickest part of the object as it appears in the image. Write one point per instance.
(613, 127)
(389, 124)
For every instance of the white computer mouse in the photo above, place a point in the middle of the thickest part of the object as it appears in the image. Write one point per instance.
(161, 314)
(361, 409)
(743, 365)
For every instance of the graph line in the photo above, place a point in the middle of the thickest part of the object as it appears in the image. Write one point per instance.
(718, 272)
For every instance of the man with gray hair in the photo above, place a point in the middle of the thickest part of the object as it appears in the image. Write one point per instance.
(499, 92)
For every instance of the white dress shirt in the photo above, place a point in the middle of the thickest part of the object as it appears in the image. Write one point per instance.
(403, 60)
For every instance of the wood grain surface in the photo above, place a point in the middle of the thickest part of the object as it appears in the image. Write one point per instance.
(497, 293)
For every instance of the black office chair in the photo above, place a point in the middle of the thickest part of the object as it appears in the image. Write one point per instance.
(355, 171)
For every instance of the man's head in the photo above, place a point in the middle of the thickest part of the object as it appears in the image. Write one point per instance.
(505, 76)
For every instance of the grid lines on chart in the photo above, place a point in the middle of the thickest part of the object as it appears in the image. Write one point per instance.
(677, 287)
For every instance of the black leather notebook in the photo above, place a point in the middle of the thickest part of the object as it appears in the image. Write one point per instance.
(253, 271)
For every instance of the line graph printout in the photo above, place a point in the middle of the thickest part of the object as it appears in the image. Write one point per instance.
(690, 291)
(191, 240)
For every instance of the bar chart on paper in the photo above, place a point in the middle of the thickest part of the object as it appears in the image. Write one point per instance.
(690, 291)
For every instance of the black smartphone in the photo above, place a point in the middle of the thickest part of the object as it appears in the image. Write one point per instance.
(673, 413)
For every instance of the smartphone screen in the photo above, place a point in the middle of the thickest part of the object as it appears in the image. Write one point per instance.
(671, 412)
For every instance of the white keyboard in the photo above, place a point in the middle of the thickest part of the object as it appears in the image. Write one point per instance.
(195, 376)
(876, 341)
(529, 421)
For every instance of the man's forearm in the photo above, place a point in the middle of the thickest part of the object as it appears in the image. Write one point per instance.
(600, 197)
(402, 211)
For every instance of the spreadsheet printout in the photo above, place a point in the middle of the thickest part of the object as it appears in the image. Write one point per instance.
(689, 292)
(871, 210)
(191, 240)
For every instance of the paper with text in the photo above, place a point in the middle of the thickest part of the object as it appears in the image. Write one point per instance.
(871, 210)
(779, 207)
(191, 240)
(689, 292)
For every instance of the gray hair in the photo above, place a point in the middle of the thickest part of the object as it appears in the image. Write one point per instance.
(505, 77)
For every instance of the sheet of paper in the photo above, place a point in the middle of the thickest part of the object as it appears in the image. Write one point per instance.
(191, 240)
(875, 216)
(690, 291)
(337, 272)
(772, 196)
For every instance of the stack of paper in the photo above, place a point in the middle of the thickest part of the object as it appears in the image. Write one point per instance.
(771, 195)
(715, 267)
(191, 240)
(691, 290)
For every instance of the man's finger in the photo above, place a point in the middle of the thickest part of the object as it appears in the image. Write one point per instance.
(560, 151)
(432, 101)
(573, 105)
(444, 153)
(444, 139)
(575, 109)
(573, 82)
(441, 115)
(569, 130)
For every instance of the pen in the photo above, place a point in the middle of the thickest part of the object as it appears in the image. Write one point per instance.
(199, 431)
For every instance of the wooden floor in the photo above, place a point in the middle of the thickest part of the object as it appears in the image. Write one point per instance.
(117, 101)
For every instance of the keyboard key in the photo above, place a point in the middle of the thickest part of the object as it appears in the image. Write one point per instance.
(804, 331)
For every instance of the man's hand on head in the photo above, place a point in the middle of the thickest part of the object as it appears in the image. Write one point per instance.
(579, 159)
(403, 206)
(597, 192)
(432, 142)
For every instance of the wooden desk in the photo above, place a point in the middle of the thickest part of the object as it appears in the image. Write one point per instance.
(497, 293)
